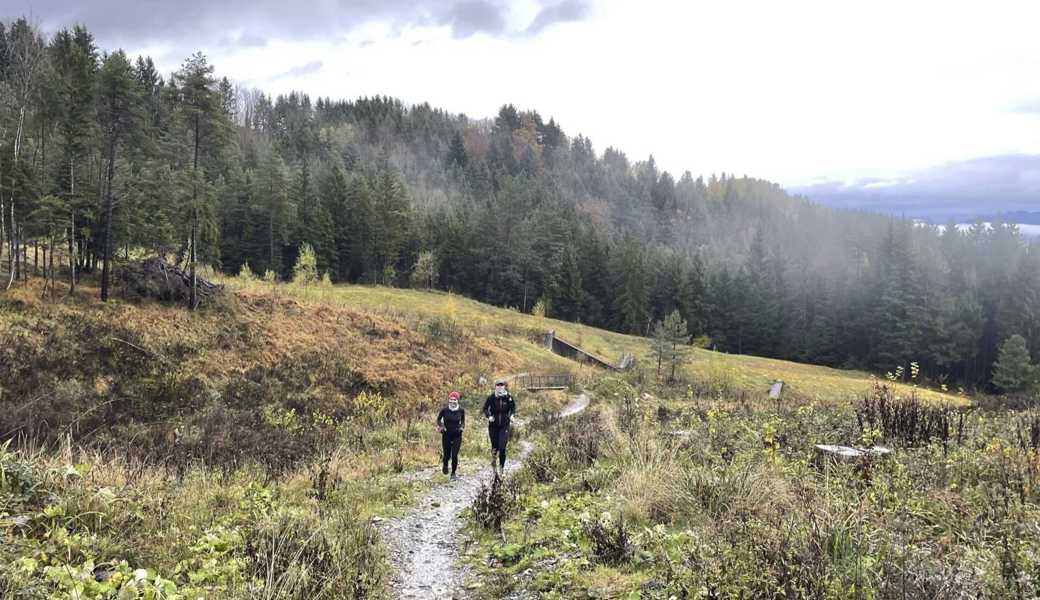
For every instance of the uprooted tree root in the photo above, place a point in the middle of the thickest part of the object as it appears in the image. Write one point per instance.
(154, 278)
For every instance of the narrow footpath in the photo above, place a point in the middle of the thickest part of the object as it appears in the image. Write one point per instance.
(424, 545)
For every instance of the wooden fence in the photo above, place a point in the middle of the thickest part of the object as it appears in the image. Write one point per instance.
(532, 382)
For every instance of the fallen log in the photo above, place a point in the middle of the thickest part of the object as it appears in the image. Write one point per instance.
(846, 454)
(156, 279)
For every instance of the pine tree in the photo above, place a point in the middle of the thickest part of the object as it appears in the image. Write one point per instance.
(671, 340)
(569, 300)
(305, 271)
(391, 222)
(315, 225)
(272, 190)
(424, 273)
(693, 296)
(759, 306)
(336, 204)
(631, 299)
(361, 230)
(117, 115)
(201, 109)
(74, 58)
(901, 308)
(457, 152)
(1013, 371)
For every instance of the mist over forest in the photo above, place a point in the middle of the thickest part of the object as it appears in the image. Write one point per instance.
(512, 210)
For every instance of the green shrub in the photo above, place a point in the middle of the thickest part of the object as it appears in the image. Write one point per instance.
(910, 420)
(305, 271)
(496, 502)
(443, 330)
(610, 539)
(296, 556)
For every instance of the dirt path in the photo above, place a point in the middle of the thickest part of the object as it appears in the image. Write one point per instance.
(424, 545)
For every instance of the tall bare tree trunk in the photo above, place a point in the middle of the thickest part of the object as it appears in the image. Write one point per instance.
(72, 253)
(12, 225)
(25, 258)
(11, 253)
(107, 251)
(72, 227)
(3, 216)
(54, 275)
(194, 219)
(49, 279)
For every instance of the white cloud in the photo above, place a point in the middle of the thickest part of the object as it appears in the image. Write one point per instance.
(784, 90)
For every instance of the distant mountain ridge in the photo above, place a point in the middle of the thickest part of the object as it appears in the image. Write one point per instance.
(1021, 217)
(963, 191)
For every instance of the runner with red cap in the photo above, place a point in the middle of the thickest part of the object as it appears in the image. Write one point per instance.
(450, 422)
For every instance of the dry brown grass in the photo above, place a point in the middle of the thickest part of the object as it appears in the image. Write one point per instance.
(266, 331)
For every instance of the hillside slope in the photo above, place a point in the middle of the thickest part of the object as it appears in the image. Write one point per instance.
(706, 370)
(242, 450)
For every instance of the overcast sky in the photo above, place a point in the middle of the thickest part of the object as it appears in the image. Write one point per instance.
(794, 91)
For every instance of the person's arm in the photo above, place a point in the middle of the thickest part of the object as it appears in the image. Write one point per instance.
(462, 423)
(512, 405)
(487, 407)
(440, 420)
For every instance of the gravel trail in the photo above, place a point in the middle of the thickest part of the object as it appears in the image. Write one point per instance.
(424, 545)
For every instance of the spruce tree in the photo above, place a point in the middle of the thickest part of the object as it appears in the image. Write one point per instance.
(457, 153)
(390, 227)
(693, 296)
(74, 58)
(361, 231)
(1013, 371)
(335, 202)
(569, 300)
(315, 225)
(671, 340)
(117, 116)
(305, 271)
(901, 312)
(272, 190)
(201, 110)
(424, 273)
(631, 298)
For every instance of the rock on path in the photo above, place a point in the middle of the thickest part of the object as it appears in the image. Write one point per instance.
(424, 544)
(580, 403)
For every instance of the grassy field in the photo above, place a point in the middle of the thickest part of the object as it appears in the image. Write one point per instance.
(723, 372)
(240, 451)
(140, 438)
(650, 495)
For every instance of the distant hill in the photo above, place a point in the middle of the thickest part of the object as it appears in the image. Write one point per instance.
(1021, 217)
(962, 191)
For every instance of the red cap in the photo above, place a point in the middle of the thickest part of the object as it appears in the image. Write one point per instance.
(454, 396)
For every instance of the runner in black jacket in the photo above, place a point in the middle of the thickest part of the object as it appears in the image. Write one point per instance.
(499, 408)
(451, 421)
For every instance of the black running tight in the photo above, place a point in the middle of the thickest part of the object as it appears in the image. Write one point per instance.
(450, 444)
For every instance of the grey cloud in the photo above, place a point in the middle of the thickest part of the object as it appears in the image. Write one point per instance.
(245, 40)
(251, 41)
(474, 16)
(195, 24)
(308, 69)
(563, 12)
(959, 190)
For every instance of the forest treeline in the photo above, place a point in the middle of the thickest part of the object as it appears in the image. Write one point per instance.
(102, 156)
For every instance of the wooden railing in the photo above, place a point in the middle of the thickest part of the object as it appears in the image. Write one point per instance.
(530, 381)
(563, 348)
